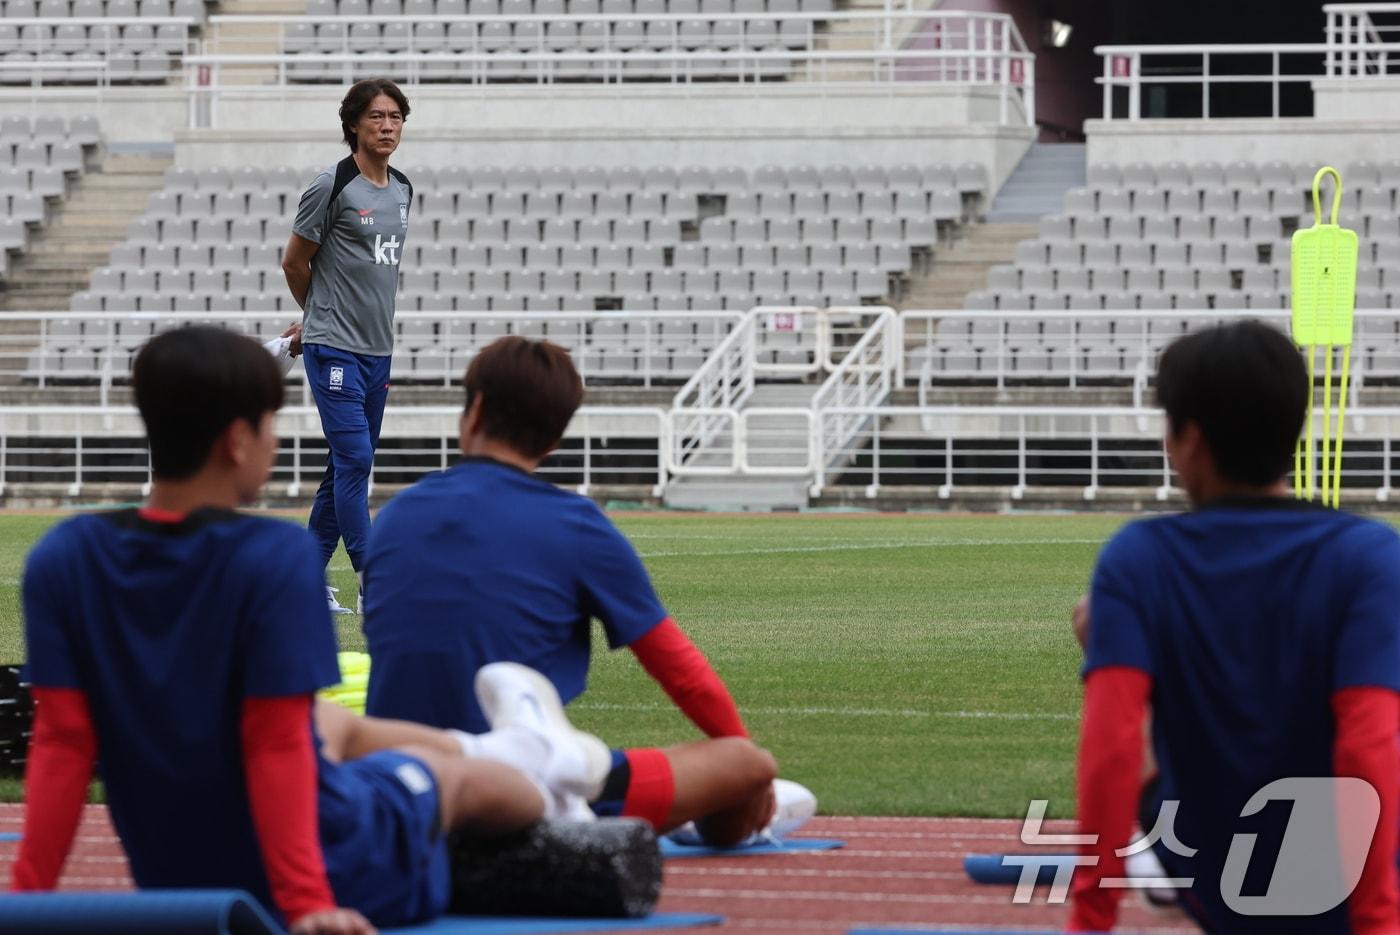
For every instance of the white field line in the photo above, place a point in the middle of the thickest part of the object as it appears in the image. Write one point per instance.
(821, 711)
(873, 546)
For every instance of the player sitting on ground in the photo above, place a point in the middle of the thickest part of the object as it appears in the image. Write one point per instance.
(180, 645)
(485, 563)
(1264, 635)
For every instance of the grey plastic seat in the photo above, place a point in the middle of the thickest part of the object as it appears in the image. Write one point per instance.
(774, 203)
(1101, 175)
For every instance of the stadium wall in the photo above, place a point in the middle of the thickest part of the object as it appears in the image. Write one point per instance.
(574, 125)
(1258, 140)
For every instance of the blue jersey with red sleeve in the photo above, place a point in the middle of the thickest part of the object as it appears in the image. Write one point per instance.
(166, 627)
(485, 563)
(1248, 615)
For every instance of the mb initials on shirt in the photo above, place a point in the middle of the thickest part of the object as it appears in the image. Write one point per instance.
(386, 252)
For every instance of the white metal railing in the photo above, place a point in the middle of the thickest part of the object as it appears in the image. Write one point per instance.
(644, 347)
(944, 448)
(1361, 38)
(864, 379)
(709, 431)
(78, 447)
(1136, 67)
(1070, 348)
(944, 47)
(52, 65)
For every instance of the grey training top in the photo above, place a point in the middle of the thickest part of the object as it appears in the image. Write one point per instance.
(350, 305)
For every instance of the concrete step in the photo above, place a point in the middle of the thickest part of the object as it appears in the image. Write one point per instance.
(747, 494)
(118, 165)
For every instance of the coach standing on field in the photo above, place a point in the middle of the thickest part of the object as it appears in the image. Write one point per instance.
(342, 266)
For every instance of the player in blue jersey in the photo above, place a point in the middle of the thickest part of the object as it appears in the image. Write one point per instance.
(486, 562)
(177, 649)
(342, 266)
(1263, 636)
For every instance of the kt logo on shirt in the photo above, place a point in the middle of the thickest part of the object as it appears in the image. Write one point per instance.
(386, 252)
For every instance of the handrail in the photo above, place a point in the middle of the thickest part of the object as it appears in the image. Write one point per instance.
(864, 378)
(295, 424)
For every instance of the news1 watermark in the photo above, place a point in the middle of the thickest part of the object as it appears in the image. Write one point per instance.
(1309, 876)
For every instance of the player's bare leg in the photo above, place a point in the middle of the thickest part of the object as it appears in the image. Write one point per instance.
(477, 795)
(724, 785)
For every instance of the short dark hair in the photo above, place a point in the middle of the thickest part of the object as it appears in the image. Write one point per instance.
(529, 391)
(356, 102)
(191, 384)
(1246, 387)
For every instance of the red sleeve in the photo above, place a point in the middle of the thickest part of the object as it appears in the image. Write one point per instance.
(279, 766)
(61, 758)
(1109, 782)
(1367, 746)
(673, 660)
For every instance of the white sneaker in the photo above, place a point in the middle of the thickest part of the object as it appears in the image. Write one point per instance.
(1145, 865)
(795, 805)
(360, 597)
(514, 695)
(335, 604)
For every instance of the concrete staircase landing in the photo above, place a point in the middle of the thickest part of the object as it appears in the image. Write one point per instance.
(776, 441)
(81, 234)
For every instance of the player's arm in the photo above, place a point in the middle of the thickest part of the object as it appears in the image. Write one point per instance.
(1366, 714)
(279, 768)
(687, 677)
(1367, 746)
(289, 653)
(63, 750)
(618, 591)
(62, 754)
(296, 266)
(1117, 689)
(1107, 788)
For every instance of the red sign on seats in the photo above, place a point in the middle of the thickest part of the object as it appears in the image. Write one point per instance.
(1122, 66)
(1018, 71)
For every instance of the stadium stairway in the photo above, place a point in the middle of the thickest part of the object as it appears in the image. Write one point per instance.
(1038, 185)
(777, 441)
(962, 265)
(90, 222)
(250, 38)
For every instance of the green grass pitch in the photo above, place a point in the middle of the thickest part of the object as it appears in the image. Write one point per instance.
(898, 665)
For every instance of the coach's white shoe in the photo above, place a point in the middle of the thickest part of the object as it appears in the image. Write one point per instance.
(512, 695)
(795, 805)
(335, 607)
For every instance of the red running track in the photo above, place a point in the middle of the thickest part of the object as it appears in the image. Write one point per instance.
(892, 871)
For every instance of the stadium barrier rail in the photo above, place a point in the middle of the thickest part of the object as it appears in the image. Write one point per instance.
(906, 47)
(76, 448)
(645, 347)
(1362, 42)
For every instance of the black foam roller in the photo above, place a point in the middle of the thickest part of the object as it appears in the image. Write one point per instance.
(610, 868)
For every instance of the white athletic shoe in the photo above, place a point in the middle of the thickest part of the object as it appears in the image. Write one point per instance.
(335, 604)
(795, 805)
(360, 597)
(1145, 865)
(514, 695)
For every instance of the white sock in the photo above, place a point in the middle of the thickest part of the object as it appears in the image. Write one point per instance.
(517, 747)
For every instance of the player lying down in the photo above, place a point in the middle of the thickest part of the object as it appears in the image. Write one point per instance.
(177, 648)
(486, 562)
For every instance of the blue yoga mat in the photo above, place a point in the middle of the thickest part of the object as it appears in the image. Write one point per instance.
(670, 849)
(171, 912)
(229, 912)
(991, 868)
(507, 925)
(945, 932)
(10, 835)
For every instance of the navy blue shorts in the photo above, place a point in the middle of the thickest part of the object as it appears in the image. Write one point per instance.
(382, 835)
(610, 806)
